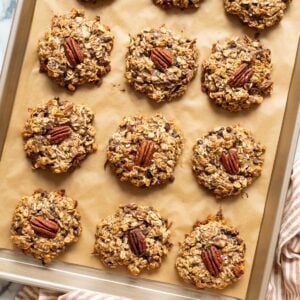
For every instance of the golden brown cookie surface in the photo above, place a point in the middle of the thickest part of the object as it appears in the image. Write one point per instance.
(59, 135)
(160, 63)
(258, 14)
(76, 51)
(135, 236)
(144, 151)
(227, 160)
(45, 223)
(212, 255)
(237, 75)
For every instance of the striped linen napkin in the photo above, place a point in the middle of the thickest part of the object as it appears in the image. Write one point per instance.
(285, 278)
(35, 293)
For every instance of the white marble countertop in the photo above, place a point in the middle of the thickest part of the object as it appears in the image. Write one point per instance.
(8, 290)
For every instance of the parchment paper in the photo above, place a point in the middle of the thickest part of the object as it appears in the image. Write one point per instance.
(98, 191)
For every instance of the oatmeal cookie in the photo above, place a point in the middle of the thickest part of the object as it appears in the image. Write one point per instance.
(212, 255)
(135, 236)
(161, 64)
(45, 223)
(227, 160)
(237, 75)
(75, 51)
(178, 3)
(144, 151)
(59, 135)
(258, 14)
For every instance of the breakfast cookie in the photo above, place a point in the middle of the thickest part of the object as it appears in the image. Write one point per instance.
(144, 151)
(44, 224)
(258, 14)
(212, 255)
(135, 236)
(161, 64)
(58, 135)
(237, 75)
(227, 160)
(178, 3)
(75, 51)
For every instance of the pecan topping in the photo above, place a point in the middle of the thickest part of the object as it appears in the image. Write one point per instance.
(230, 161)
(237, 271)
(145, 153)
(241, 75)
(73, 51)
(266, 84)
(44, 227)
(162, 58)
(136, 241)
(59, 133)
(212, 259)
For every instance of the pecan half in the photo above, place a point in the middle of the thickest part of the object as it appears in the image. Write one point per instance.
(212, 259)
(44, 227)
(145, 153)
(137, 242)
(59, 133)
(230, 161)
(73, 51)
(162, 58)
(241, 75)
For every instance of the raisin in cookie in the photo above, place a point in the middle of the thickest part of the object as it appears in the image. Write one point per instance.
(161, 64)
(144, 151)
(75, 50)
(227, 160)
(44, 224)
(178, 3)
(258, 14)
(59, 135)
(212, 255)
(237, 75)
(135, 236)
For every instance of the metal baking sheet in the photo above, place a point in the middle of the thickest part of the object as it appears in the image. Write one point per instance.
(66, 276)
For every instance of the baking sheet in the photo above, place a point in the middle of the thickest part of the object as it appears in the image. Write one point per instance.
(99, 192)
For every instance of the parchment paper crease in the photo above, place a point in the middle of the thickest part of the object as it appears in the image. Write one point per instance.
(98, 191)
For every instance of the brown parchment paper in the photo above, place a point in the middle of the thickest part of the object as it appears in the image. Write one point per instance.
(98, 191)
